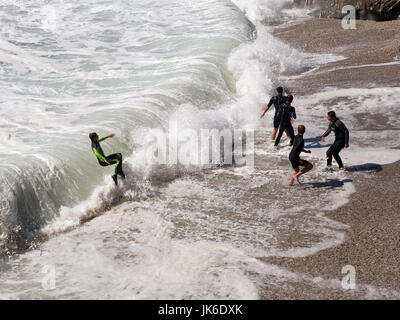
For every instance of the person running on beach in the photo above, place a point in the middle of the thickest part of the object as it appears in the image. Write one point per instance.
(277, 101)
(288, 114)
(104, 161)
(341, 140)
(294, 157)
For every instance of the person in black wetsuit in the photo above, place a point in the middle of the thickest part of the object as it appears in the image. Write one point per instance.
(277, 101)
(294, 157)
(288, 114)
(341, 139)
(104, 161)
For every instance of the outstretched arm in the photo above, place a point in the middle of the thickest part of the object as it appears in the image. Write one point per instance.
(265, 111)
(271, 101)
(106, 137)
(327, 133)
(304, 150)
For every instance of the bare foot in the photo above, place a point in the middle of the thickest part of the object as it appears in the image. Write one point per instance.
(291, 181)
(297, 179)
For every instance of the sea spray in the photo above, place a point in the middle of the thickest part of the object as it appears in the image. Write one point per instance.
(161, 74)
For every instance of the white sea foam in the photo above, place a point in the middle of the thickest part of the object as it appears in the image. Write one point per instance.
(180, 233)
(133, 256)
(255, 66)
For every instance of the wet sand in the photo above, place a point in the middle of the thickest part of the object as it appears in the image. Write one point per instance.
(372, 239)
(371, 43)
(372, 243)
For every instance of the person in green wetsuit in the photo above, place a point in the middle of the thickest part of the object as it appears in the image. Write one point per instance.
(104, 161)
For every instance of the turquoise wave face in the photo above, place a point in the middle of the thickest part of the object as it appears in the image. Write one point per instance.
(126, 67)
(68, 68)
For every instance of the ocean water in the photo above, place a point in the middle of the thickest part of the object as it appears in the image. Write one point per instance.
(68, 69)
(132, 67)
(122, 67)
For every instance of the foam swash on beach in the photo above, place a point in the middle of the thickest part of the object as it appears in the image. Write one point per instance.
(132, 67)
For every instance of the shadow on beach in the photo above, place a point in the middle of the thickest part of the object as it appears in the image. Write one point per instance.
(373, 167)
(329, 184)
(315, 143)
(336, 183)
